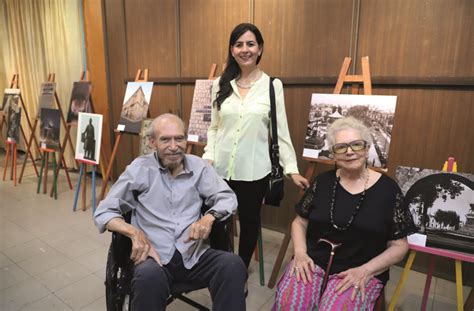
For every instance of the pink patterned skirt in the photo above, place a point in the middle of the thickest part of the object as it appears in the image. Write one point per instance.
(292, 295)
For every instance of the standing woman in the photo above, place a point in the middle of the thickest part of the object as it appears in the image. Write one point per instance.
(238, 144)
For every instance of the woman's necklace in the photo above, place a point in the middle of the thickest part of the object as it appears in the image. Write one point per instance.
(356, 210)
(248, 86)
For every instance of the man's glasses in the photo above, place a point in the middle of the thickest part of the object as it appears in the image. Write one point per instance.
(356, 145)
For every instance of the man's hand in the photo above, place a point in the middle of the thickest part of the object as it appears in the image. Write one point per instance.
(142, 248)
(200, 229)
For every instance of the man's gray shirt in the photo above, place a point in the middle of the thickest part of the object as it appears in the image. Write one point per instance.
(164, 207)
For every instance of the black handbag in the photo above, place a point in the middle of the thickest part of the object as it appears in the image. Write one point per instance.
(276, 183)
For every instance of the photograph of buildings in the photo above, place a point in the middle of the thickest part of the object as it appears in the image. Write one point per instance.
(46, 98)
(200, 118)
(135, 105)
(49, 128)
(13, 123)
(376, 111)
(80, 100)
(442, 205)
(145, 147)
(10, 97)
(89, 136)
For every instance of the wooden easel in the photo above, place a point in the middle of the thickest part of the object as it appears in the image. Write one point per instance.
(458, 257)
(10, 147)
(51, 78)
(105, 179)
(44, 169)
(192, 144)
(343, 77)
(14, 84)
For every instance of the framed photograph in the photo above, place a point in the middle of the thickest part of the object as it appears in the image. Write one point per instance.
(135, 106)
(50, 128)
(13, 123)
(200, 118)
(442, 205)
(46, 98)
(10, 97)
(145, 147)
(89, 137)
(80, 100)
(376, 111)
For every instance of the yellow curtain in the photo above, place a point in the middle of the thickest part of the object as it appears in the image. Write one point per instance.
(39, 37)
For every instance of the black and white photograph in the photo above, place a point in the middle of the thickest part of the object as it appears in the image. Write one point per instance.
(376, 111)
(442, 205)
(80, 100)
(13, 123)
(135, 106)
(89, 136)
(10, 97)
(145, 147)
(46, 97)
(200, 118)
(50, 128)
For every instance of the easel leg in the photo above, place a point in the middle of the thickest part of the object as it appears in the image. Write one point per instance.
(429, 276)
(55, 178)
(14, 163)
(40, 177)
(78, 187)
(280, 257)
(63, 161)
(5, 163)
(84, 186)
(62, 148)
(105, 179)
(94, 168)
(459, 298)
(401, 282)
(29, 152)
(45, 176)
(28, 148)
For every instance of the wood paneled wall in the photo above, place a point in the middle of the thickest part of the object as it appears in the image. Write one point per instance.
(305, 39)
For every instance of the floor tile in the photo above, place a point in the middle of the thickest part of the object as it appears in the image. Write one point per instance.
(98, 305)
(11, 275)
(4, 260)
(48, 303)
(82, 293)
(95, 260)
(27, 250)
(16, 296)
(43, 262)
(63, 275)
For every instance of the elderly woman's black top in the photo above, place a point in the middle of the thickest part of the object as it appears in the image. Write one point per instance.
(381, 218)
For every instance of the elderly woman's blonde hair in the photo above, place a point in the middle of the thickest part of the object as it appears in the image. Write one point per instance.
(347, 123)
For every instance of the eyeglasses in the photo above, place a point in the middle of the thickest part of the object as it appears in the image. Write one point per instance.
(356, 145)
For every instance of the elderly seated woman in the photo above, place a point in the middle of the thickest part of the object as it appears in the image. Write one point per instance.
(351, 226)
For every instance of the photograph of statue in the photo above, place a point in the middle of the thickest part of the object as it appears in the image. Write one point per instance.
(89, 136)
(13, 122)
(442, 205)
(10, 96)
(46, 98)
(135, 105)
(200, 118)
(49, 128)
(145, 147)
(80, 100)
(376, 111)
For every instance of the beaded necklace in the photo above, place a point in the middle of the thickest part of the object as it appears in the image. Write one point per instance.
(356, 210)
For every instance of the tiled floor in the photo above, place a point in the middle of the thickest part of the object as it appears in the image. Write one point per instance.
(52, 258)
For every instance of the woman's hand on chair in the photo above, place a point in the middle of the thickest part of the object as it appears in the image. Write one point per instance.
(357, 278)
(142, 248)
(303, 267)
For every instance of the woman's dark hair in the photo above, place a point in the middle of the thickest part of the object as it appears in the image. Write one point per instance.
(232, 69)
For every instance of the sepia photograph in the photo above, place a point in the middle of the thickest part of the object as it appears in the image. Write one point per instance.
(50, 128)
(89, 136)
(376, 111)
(80, 100)
(442, 205)
(200, 118)
(145, 147)
(10, 97)
(135, 106)
(46, 98)
(13, 123)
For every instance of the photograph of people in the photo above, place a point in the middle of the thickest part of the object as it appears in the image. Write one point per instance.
(88, 139)
(350, 223)
(238, 144)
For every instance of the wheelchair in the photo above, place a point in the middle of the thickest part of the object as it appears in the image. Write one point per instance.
(119, 268)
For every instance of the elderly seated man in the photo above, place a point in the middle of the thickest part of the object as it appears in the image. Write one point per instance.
(165, 190)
